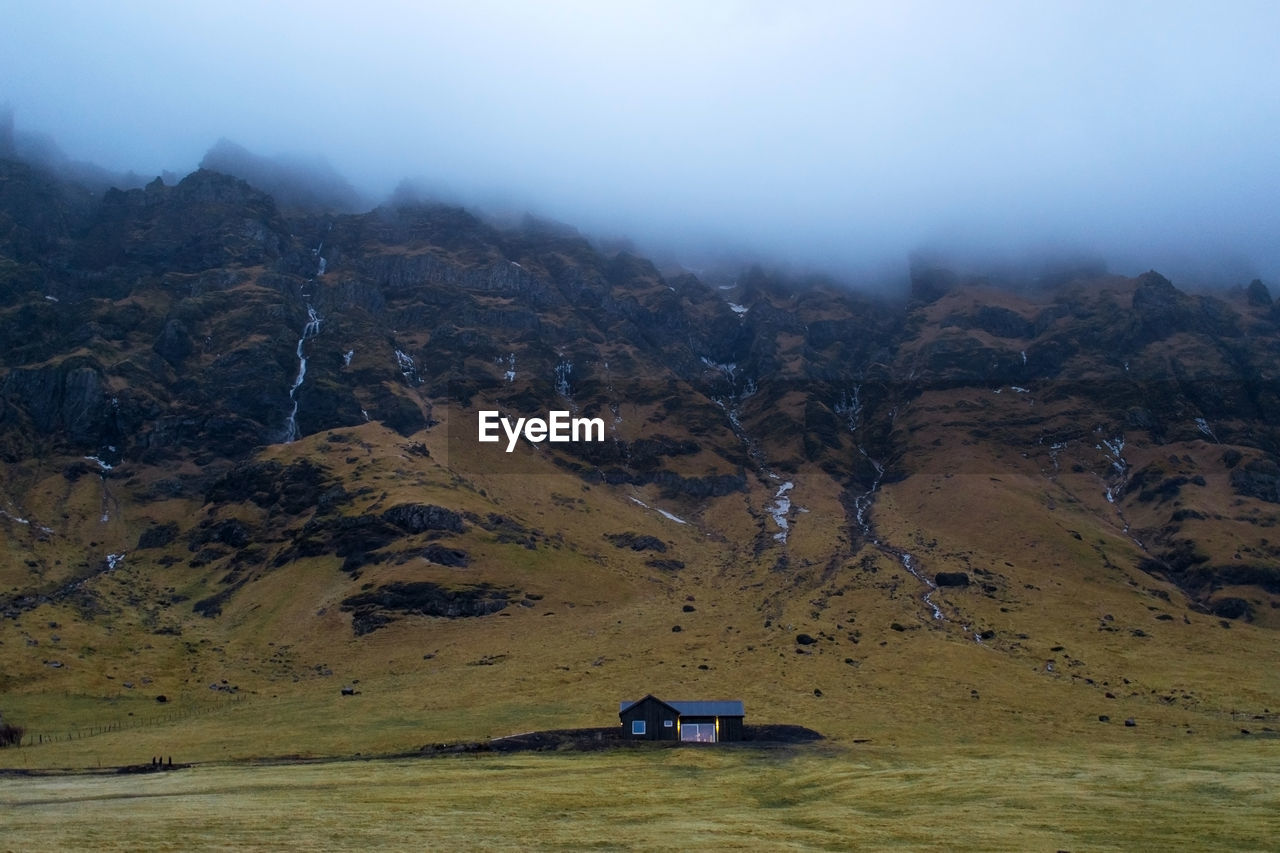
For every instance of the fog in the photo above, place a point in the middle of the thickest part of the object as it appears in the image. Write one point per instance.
(833, 136)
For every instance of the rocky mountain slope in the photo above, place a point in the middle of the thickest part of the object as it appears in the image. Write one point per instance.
(239, 445)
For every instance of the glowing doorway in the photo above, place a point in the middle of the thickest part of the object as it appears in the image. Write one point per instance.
(698, 732)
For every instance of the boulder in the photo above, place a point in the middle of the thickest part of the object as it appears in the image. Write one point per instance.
(174, 343)
(419, 518)
(452, 557)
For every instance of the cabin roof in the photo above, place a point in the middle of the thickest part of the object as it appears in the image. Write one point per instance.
(696, 708)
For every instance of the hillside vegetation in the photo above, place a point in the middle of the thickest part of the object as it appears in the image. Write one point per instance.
(240, 472)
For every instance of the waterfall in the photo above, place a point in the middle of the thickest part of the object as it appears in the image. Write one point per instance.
(310, 330)
(562, 371)
(779, 509)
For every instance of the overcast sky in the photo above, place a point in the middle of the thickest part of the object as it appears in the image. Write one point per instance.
(840, 135)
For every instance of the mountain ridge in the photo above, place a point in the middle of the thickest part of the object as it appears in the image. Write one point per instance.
(226, 426)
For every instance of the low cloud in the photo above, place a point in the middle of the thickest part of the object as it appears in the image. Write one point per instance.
(838, 137)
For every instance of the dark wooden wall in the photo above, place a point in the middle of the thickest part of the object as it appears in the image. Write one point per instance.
(653, 713)
(730, 728)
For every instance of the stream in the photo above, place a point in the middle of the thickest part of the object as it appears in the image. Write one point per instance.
(851, 407)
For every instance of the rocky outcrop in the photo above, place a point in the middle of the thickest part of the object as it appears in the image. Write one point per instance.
(174, 343)
(452, 557)
(420, 518)
(1160, 310)
(637, 542)
(158, 536)
(37, 213)
(403, 274)
(69, 398)
(231, 532)
(291, 182)
(1258, 478)
(1258, 294)
(373, 609)
(270, 485)
(208, 220)
(994, 320)
(341, 536)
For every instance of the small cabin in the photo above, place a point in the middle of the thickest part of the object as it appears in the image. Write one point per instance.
(652, 718)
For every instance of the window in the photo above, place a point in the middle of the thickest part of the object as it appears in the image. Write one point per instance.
(668, 723)
(637, 727)
(698, 732)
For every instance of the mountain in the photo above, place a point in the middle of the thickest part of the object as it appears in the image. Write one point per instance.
(294, 182)
(240, 454)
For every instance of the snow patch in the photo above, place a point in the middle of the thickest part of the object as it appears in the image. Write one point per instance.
(738, 309)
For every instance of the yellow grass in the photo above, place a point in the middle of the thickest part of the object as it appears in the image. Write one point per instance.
(1070, 797)
(973, 745)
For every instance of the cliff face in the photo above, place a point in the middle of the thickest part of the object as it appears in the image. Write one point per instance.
(228, 392)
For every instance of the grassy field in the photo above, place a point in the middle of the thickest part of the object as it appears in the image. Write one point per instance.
(985, 728)
(1218, 795)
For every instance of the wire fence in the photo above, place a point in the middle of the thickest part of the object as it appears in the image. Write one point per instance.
(1265, 717)
(134, 721)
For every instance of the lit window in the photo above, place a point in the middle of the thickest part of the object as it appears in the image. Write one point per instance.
(637, 727)
(668, 723)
